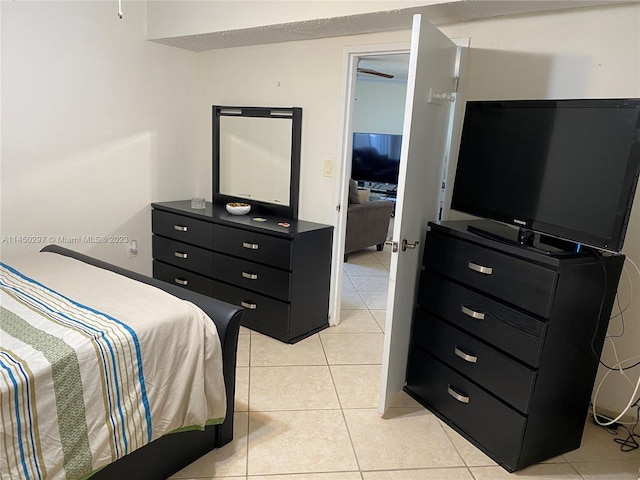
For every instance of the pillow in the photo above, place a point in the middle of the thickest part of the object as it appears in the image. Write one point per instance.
(354, 197)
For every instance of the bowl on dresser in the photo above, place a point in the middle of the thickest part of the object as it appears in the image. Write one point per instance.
(238, 208)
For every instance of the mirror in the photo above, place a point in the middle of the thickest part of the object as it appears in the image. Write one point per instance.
(256, 157)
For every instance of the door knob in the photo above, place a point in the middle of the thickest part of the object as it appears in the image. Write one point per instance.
(406, 244)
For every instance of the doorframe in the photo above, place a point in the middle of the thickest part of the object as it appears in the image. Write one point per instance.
(351, 55)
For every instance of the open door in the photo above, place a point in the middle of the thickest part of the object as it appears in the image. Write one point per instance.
(424, 146)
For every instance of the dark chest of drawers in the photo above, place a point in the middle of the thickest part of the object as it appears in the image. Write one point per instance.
(279, 274)
(506, 341)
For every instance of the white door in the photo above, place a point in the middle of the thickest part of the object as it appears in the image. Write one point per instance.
(424, 146)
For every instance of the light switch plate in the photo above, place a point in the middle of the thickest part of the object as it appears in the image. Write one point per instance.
(328, 168)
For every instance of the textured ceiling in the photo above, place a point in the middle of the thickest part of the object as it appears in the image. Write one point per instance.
(400, 19)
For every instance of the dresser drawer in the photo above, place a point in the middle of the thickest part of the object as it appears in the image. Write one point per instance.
(252, 246)
(491, 423)
(183, 255)
(189, 280)
(494, 371)
(508, 329)
(252, 276)
(262, 314)
(519, 282)
(184, 229)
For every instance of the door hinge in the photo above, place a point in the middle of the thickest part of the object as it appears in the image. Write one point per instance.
(338, 208)
(456, 83)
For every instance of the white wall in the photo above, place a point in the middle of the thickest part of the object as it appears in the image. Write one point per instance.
(305, 74)
(379, 106)
(97, 123)
(589, 53)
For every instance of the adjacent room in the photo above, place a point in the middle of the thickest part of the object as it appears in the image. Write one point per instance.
(117, 120)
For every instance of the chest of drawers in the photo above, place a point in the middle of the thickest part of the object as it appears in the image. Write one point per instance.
(279, 274)
(505, 341)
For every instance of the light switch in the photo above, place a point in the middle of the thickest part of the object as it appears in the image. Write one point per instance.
(328, 168)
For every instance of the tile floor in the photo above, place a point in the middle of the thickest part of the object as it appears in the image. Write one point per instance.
(309, 411)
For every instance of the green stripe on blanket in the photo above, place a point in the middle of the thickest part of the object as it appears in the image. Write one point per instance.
(67, 387)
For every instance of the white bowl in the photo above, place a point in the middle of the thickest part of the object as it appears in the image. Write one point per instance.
(237, 208)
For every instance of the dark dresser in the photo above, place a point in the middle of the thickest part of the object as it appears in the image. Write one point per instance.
(506, 341)
(280, 274)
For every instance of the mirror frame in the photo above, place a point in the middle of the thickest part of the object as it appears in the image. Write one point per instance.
(295, 114)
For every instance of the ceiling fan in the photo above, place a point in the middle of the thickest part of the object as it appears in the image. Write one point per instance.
(369, 71)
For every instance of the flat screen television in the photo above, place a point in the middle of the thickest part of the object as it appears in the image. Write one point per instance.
(564, 168)
(376, 157)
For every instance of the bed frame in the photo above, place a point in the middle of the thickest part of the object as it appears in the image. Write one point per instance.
(167, 455)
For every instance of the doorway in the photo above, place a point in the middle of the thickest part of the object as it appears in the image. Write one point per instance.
(427, 144)
(377, 122)
(369, 94)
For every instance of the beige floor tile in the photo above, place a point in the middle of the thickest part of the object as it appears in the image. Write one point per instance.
(242, 389)
(357, 385)
(374, 300)
(292, 388)
(404, 438)
(366, 256)
(598, 445)
(471, 455)
(380, 316)
(267, 351)
(542, 471)
(300, 442)
(353, 348)
(227, 461)
(351, 300)
(421, 474)
(347, 284)
(612, 470)
(370, 284)
(404, 400)
(310, 476)
(355, 321)
(244, 349)
(374, 269)
(384, 257)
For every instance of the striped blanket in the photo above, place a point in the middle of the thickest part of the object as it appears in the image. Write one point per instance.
(94, 365)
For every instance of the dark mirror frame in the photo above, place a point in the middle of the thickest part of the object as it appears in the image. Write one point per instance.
(295, 113)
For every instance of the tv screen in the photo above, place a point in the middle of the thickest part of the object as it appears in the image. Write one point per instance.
(376, 157)
(566, 168)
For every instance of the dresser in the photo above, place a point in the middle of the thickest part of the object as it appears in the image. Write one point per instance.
(506, 340)
(277, 269)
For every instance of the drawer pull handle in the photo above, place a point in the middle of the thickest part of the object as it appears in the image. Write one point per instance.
(465, 356)
(458, 396)
(181, 281)
(472, 313)
(180, 254)
(250, 246)
(250, 276)
(180, 228)
(480, 268)
(250, 306)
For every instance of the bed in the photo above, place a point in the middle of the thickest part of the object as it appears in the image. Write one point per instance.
(163, 396)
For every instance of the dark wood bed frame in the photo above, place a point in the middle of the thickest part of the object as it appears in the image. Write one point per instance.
(167, 455)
